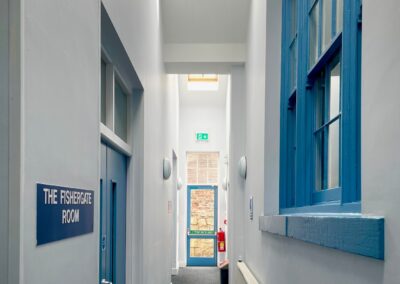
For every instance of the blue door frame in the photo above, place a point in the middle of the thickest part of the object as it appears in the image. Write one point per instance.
(201, 261)
(112, 216)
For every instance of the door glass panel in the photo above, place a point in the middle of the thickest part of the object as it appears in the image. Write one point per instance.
(103, 91)
(202, 168)
(202, 211)
(334, 102)
(326, 23)
(333, 154)
(202, 247)
(314, 38)
(121, 113)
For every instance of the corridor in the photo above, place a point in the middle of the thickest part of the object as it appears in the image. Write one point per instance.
(197, 275)
(153, 141)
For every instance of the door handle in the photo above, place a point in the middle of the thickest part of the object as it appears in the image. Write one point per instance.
(104, 281)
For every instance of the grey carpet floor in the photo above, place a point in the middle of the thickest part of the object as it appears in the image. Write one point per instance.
(197, 275)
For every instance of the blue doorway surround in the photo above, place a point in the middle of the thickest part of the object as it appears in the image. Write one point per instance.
(112, 216)
(193, 235)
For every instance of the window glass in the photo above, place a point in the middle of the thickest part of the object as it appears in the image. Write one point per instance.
(334, 102)
(203, 82)
(202, 247)
(327, 139)
(293, 18)
(319, 160)
(326, 23)
(339, 16)
(314, 38)
(333, 154)
(202, 211)
(121, 113)
(320, 133)
(103, 91)
(202, 167)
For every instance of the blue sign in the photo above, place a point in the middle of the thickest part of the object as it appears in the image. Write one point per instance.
(63, 212)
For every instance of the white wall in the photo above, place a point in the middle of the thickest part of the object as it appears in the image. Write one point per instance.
(254, 251)
(237, 148)
(61, 56)
(275, 259)
(138, 25)
(4, 125)
(201, 112)
(380, 133)
(61, 71)
(171, 149)
(10, 141)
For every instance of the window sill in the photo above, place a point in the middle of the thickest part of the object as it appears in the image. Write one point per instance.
(326, 207)
(353, 233)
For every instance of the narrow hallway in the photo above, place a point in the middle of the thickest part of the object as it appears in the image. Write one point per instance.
(197, 275)
(199, 142)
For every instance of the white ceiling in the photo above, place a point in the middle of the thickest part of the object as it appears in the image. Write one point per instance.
(205, 21)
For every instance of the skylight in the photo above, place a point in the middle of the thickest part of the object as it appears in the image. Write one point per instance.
(202, 82)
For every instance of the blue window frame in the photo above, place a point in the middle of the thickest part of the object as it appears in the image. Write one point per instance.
(320, 106)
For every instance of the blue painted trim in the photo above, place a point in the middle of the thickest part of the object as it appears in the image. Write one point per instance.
(199, 261)
(297, 168)
(101, 229)
(114, 228)
(331, 207)
(353, 233)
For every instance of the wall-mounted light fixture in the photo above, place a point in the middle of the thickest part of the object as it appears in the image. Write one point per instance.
(225, 183)
(166, 168)
(179, 183)
(243, 167)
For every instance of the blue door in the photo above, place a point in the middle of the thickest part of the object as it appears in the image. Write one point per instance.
(112, 216)
(202, 226)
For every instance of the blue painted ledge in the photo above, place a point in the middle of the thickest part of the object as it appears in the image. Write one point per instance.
(353, 233)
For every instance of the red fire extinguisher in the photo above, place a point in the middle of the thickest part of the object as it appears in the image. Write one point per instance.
(221, 241)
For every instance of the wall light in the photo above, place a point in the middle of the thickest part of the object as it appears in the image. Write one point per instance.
(243, 167)
(225, 183)
(179, 183)
(166, 168)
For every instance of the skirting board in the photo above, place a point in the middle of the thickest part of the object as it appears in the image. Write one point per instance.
(247, 274)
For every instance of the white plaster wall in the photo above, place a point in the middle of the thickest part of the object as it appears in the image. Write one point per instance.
(138, 25)
(237, 148)
(172, 146)
(254, 150)
(380, 130)
(207, 115)
(61, 71)
(4, 127)
(276, 259)
(61, 133)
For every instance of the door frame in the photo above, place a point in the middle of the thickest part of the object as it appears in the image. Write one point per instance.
(201, 261)
(111, 184)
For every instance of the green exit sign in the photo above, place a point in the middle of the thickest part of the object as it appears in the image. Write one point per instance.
(201, 136)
